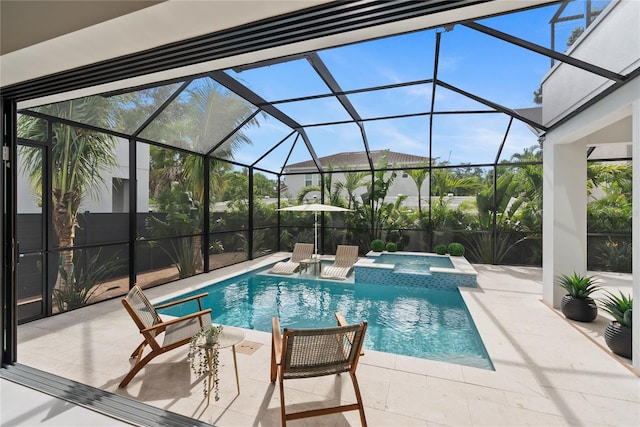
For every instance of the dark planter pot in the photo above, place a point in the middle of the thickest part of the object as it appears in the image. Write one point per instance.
(582, 310)
(618, 338)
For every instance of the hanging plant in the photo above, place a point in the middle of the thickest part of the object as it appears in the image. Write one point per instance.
(202, 364)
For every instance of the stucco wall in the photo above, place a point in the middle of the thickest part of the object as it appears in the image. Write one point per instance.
(611, 42)
(103, 202)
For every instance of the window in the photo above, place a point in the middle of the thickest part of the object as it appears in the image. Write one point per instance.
(120, 196)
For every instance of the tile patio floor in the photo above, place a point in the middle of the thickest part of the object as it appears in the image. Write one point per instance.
(549, 371)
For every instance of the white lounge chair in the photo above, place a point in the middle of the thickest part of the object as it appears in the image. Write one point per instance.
(346, 256)
(300, 251)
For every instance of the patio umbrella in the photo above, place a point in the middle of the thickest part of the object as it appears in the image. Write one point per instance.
(315, 208)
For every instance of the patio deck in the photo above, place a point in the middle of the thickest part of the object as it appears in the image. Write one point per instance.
(549, 371)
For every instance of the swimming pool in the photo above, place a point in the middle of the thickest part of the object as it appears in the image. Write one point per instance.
(419, 322)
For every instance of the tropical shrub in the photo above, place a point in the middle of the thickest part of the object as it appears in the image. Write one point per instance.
(578, 286)
(80, 283)
(620, 307)
(456, 249)
(481, 246)
(392, 247)
(377, 245)
(441, 249)
(183, 224)
(616, 256)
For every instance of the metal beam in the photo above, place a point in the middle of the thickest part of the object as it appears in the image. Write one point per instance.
(235, 86)
(353, 91)
(333, 85)
(504, 141)
(546, 51)
(314, 156)
(162, 107)
(252, 97)
(284, 164)
(231, 133)
(337, 91)
(273, 148)
(494, 105)
(365, 141)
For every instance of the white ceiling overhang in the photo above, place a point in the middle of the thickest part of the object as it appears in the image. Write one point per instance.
(178, 20)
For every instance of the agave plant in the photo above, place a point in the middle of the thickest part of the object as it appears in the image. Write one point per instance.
(619, 307)
(578, 286)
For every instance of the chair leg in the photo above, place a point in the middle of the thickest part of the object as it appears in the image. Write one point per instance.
(138, 349)
(356, 388)
(136, 368)
(283, 413)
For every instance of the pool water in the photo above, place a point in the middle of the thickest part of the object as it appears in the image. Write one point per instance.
(419, 322)
(414, 263)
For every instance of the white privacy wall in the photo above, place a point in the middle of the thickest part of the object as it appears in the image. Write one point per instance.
(611, 42)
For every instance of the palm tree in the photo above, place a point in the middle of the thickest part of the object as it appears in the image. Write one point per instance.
(79, 159)
(419, 176)
(353, 181)
(443, 182)
(206, 119)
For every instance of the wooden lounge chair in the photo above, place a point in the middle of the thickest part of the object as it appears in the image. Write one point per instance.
(307, 353)
(300, 251)
(177, 332)
(346, 256)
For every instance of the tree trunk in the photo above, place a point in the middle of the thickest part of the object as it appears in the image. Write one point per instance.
(197, 250)
(64, 218)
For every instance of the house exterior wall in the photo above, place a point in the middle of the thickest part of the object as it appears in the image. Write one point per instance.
(615, 119)
(104, 202)
(612, 41)
(403, 184)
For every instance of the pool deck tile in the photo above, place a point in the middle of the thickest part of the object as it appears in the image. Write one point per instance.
(548, 371)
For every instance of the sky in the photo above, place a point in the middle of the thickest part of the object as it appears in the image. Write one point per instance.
(469, 60)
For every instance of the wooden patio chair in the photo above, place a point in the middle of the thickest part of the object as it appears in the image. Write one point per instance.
(300, 251)
(177, 332)
(346, 257)
(307, 353)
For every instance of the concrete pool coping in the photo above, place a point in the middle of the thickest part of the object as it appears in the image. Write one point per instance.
(460, 264)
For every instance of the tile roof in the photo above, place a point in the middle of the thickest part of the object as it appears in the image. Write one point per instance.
(358, 159)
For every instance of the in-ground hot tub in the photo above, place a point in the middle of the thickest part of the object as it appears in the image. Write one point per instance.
(416, 269)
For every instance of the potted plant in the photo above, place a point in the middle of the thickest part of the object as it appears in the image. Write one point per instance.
(577, 303)
(203, 357)
(617, 334)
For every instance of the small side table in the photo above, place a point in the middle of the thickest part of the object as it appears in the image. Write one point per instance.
(229, 337)
(306, 263)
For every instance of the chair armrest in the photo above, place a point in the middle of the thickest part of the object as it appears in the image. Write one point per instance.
(163, 325)
(276, 349)
(276, 338)
(170, 304)
(343, 322)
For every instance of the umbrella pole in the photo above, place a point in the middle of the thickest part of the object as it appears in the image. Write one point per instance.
(315, 221)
